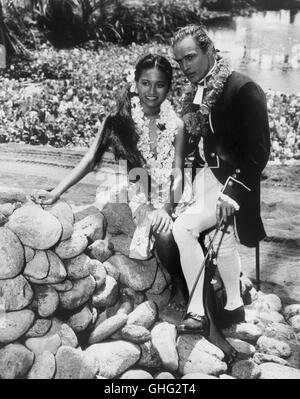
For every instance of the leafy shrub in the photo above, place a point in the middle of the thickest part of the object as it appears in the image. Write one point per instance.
(217, 5)
(67, 23)
(13, 26)
(60, 98)
(154, 19)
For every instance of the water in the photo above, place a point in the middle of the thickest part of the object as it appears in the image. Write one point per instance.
(265, 46)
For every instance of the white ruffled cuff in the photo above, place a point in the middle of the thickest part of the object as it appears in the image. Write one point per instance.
(231, 201)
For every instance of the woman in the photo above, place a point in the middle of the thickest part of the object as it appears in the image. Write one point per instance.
(145, 131)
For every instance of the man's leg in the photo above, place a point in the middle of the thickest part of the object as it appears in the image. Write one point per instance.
(186, 230)
(229, 265)
(198, 217)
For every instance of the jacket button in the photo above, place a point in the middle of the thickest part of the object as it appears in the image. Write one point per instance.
(212, 154)
(238, 170)
(230, 183)
(234, 176)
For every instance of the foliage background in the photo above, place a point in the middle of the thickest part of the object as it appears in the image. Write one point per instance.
(59, 94)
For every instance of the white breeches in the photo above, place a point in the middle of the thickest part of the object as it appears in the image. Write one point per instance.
(198, 217)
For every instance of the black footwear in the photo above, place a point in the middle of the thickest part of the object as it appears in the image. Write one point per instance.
(229, 317)
(194, 324)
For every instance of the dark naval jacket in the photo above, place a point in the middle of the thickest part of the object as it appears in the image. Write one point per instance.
(237, 150)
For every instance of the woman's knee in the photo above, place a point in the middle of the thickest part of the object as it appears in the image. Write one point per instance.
(164, 238)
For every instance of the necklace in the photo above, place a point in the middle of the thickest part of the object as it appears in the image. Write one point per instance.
(196, 117)
(153, 135)
(159, 165)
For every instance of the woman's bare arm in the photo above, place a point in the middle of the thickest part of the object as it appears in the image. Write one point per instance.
(85, 166)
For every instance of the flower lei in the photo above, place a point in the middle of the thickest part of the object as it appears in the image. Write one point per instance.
(196, 117)
(161, 166)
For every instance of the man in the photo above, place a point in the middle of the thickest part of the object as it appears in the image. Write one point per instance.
(226, 120)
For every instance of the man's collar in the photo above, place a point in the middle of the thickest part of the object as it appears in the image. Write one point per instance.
(203, 82)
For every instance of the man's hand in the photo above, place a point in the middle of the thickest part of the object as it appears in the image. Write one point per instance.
(44, 197)
(224, 210)
(161, 221)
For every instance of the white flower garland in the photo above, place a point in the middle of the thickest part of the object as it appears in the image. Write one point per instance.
(161, 166)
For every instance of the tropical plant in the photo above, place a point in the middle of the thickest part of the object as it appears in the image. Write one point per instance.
(10, 31)
(63, 21)
(69, 22)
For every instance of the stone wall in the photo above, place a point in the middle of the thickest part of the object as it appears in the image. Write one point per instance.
(73, 305)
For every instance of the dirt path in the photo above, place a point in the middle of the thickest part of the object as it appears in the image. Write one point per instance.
(35, 167)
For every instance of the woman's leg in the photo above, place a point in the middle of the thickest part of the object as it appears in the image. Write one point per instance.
(168, 254)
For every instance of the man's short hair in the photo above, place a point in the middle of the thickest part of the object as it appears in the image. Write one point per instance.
(199, 34)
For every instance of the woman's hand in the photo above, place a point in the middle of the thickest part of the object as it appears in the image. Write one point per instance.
(161, 221)
(44, 197)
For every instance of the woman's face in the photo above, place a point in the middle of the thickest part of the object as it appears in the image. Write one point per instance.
(152, 87)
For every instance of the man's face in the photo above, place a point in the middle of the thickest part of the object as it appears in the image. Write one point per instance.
(193, 62)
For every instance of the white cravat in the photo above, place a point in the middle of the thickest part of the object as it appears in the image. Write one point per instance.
(202, 85)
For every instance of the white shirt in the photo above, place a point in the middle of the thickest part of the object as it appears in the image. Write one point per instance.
(202, 85)
(207, 75)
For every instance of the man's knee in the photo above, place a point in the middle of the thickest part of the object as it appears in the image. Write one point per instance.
(181, 232)
(187, 225)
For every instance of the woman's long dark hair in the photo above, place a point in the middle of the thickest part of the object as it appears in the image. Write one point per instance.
(119, 132)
